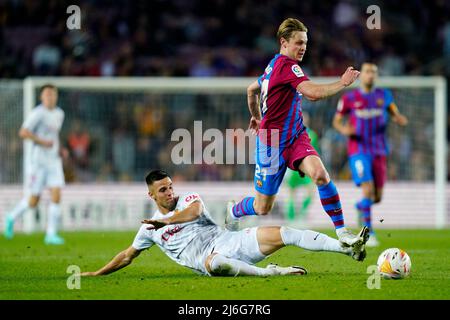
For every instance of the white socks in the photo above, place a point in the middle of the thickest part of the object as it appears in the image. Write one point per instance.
(223, 266)
(54, 214)
(310, 240)
(19, 209)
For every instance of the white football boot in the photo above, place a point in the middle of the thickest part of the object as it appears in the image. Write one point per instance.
(359, 247)
(284, 271)
(347, 238)
(231, 222)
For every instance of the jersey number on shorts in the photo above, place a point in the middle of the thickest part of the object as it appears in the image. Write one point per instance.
(359, 168)
(260, 172)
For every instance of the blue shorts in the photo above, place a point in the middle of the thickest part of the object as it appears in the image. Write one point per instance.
(361, 167)
(271, 162)
(366, 167)
(270, 168)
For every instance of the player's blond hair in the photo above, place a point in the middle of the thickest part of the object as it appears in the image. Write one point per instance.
(288, 27)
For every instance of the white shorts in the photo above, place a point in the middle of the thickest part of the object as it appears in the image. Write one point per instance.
(240, 245)
(48, 175)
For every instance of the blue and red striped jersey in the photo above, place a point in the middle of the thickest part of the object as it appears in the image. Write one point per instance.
(368, 114)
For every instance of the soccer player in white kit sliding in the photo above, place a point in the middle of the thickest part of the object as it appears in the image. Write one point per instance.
(42, 127)
(183, 229)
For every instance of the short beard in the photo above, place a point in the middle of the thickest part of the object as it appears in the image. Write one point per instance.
(172, 206)
(370, 85)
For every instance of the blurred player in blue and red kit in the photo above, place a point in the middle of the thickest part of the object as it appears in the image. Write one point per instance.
(368, 109)
(282, 138)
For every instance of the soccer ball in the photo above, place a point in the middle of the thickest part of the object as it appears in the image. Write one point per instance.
(394, 263)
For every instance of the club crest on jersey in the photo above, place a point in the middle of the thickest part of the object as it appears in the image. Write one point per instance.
(297, 70)
(259, 183)
(380, 102)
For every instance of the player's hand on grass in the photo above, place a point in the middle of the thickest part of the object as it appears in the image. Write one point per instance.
(349, 76)
(155, 224)
(88, 274)
(254, 125)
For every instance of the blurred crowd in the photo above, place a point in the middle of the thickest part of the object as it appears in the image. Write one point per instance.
(217, 37)
(135, 134)
(118, 139)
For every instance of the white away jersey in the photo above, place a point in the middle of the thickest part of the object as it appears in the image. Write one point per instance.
(45, 124)
(185, 243)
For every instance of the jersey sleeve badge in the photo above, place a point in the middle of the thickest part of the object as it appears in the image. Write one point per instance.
(297, 70)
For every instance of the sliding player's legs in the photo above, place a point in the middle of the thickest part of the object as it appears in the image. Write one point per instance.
(236, 252)
(271, 239)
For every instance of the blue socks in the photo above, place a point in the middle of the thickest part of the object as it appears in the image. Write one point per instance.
(364, 206)
(332, 204)
(244, 207)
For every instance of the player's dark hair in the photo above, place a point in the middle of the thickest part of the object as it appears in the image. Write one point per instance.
(288, 27)
(367, 62)
(47, 85)
(155, 175)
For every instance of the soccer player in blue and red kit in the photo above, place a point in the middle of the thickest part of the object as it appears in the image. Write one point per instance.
(282, 140)
(368, 109)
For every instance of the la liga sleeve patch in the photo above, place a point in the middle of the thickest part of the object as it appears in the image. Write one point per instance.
(297, 70)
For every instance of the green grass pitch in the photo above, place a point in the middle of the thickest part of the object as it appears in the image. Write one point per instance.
(31, 270)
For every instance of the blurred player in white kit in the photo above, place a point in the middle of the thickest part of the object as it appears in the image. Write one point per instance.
(42, 127)
(183, 229)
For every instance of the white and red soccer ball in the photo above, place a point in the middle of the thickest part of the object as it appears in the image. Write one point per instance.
(394, 263)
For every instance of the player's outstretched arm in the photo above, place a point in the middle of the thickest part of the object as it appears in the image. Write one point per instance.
(120, 261)
(314, 91)
(191, 213)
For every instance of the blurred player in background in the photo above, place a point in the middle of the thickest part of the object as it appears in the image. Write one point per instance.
(184, 230)
(42, 127)
(294, 181)
(368, 109)
(278, 117)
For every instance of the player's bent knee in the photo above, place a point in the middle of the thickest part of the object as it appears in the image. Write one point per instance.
(320, 177)
(217, 265)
